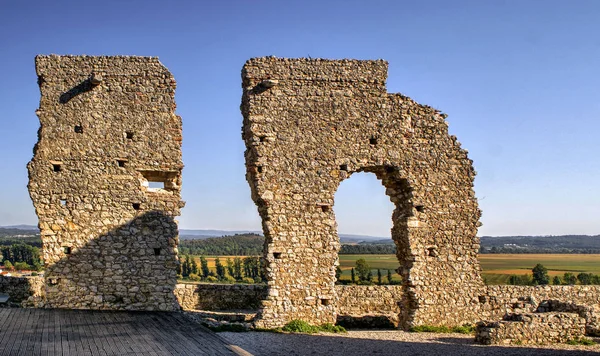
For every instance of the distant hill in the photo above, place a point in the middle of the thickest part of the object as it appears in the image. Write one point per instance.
(489, 244)
(541, 244)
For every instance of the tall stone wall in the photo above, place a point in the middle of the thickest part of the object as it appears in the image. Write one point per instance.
(105, 181)
(311, 123)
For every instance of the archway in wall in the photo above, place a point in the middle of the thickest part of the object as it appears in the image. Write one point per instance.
(363, 214)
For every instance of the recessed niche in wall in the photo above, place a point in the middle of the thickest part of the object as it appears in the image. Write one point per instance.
(420, 208)
(67, 250)
(121, 162)
(157, 251)
(78, 129)
(277, 255)
(136, 206)
(129, 135)
(56, 167)
(343, 167)
(373, 140)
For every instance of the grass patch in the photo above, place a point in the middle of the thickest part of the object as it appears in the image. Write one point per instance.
(581, 341)
(465, 329)
(300, 326)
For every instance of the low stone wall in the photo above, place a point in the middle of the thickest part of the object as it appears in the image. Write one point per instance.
(20, 289)
(356, 306)
(368, 306)
(531, 328)
(219, 296)
(501, 300)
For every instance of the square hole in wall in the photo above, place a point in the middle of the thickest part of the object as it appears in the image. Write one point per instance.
(432, 251)
(121, 162)
(420, 208)
(56, 167)
(262, 138)
(325, 208)
(160, 181)
(67, 250)
(78, 129)
(277, 255)
(136, 206)
(373, 140)
(129, 135)
(343, 167)
(325, 302)
(156, 185)
(157, 251)
(259, 169)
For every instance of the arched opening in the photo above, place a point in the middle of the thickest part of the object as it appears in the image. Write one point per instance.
(363, 213)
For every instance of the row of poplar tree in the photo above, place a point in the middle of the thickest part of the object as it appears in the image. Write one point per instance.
(247, 270)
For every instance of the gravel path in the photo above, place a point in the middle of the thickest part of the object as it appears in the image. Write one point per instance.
(388, 343)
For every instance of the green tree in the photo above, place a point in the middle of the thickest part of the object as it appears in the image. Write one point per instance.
(569, 278)
(229, 264)
(389, 276)
(186, 267)
(556, 280)
(338, 273)
(585, 278)
(220, 269)
(21, 266)
(203, 267)
(237, 269)
(379, 277)
(363, 270)
(8, 265)
(540, 275)
(352, 275)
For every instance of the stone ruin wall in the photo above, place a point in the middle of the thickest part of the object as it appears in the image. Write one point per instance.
(311, 123)
(107, 129)
(110, 240)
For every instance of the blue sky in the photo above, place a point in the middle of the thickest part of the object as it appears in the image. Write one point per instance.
(518, 79)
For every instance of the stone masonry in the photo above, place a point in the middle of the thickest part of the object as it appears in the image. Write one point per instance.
(105, 181)
(311, 123)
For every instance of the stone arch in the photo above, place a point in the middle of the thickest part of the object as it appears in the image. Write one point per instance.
(308, 124)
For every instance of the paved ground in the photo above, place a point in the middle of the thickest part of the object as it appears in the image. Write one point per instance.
(390, 342)
(78, 332)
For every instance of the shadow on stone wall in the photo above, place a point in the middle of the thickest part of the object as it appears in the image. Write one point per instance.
(80, 88)
(131, 267)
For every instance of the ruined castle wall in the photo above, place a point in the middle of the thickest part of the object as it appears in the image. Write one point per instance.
(351, 302)
(214, 296)
(105, 182)
(20, 289)
(503, 299)
(311, 123)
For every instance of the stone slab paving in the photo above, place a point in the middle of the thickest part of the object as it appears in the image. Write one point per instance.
(85, 332)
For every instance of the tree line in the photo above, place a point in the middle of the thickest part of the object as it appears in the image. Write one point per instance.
(362, 274)
(245, 270)
(539, 276)
(21, 257)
